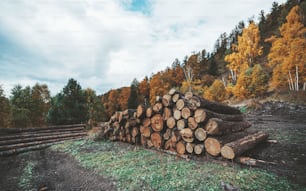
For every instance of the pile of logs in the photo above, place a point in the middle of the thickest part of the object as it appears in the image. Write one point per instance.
(17, 140)
(185, 124)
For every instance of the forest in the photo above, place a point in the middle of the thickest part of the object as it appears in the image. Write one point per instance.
(256, 60)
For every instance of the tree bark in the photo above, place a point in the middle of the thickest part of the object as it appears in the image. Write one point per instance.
(235, 148)
(217, 126)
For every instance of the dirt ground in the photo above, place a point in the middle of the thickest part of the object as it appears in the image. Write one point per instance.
(53, 171)
(58, 171)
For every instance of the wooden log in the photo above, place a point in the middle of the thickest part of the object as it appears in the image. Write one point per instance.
(30, 148)
(171, 122)
(213, 145)
(135, 132)
(217, 126)
(140, 111)
(187, 135)
(200, 134)
(200, 115)
(157, 107)
(225, 117)
(197, 102)
(143, 140)
(186, 113)
(157, 122)
(167, 135)
(167, 113)
(156, 140)
(172, 91)
(128, 113)
(24, 140)
(235, 148)
(189, 148)
(176, 97)
(198, 149)
(170, 145)
(192, 124)
(146, 122)
(180, 148)
(188, 95)
(181, 124)
(177, 114)
(149, 112)
(180, 104)
(28, 144)
(147, 132)
(166, 101)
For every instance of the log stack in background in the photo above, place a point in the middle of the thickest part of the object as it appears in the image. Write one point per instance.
(185, 124)
(18, 140)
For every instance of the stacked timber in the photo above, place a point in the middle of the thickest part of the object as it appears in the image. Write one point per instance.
(186, 124)
(17, 140)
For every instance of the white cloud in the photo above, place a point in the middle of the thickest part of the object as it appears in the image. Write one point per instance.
(104, 45)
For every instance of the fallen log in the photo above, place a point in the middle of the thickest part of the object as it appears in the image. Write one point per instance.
(171, 123)
(201, 115)
(189, 148)
(157, 122)
(198, 149)
(186, 113)
(192, 124)
(235, 148)
(187, 135)
(24, 140)
(180, 148)
(216, 126)
(140, 111)
(166, 100)
(200, 134)
(197, 102)
(167, 113)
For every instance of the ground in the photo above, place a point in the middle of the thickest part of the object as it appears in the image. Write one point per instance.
(87, 165)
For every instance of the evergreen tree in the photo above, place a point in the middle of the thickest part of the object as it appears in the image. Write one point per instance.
(4, 110)
(133, 99)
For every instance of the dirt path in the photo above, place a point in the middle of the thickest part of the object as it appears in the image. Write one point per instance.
(50, 171)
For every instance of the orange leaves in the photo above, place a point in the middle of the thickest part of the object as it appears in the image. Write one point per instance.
(216, 92)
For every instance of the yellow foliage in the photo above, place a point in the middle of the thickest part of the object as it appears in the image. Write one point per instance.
(288, 51)
(216, 92)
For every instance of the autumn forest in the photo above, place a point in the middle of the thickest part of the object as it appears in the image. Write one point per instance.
(255, 60)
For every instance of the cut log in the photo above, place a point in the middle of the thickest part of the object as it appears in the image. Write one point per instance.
(212, 146)
(192, 124)
(170, 145)
(180, 104)
(171, 122)
(146, 132)
(181, 124)
(198, 149)
(235, 148)
(167, 135)
(167, 113)
(135, 131)
(157, 122)
(200, 115)
(157, 107)
(217, 126)
(149, 112)
(225, 117)
(186, 113)
(187, 135)
(166, 100)
(177, 114)
(200, 134)
(140, 111)
(180, 148)
(128, 113)
(176, 97)
(189, 148)
(198, 102)
(146, 122)
(188, 95)
(156, 140)
(172, 91)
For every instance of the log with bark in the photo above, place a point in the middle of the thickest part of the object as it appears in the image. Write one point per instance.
(216, 126)
(237, 147)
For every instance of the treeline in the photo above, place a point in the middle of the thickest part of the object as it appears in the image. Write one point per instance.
(253, 61)
(34, 107)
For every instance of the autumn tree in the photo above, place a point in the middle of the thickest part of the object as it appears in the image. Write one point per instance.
(287, 55)
(245, 52)
(95, 107)
(4, 110)
(123, 97)
(144, 91)
(216, 92)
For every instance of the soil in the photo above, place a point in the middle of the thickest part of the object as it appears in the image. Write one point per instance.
(285, 123)
(53, 171)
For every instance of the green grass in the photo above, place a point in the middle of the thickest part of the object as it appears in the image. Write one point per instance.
(136, 168)
(26, 177)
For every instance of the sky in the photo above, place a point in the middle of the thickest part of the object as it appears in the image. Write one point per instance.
(105, 44)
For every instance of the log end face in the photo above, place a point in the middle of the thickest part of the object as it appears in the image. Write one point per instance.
(212, 146)
(227, 152)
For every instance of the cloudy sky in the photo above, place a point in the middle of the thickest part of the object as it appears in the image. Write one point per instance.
(105, 44)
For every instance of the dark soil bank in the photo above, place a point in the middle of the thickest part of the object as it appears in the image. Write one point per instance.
(52, 171)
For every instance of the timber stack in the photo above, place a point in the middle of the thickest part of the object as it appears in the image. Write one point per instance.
(186, 124)
(18, 140)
